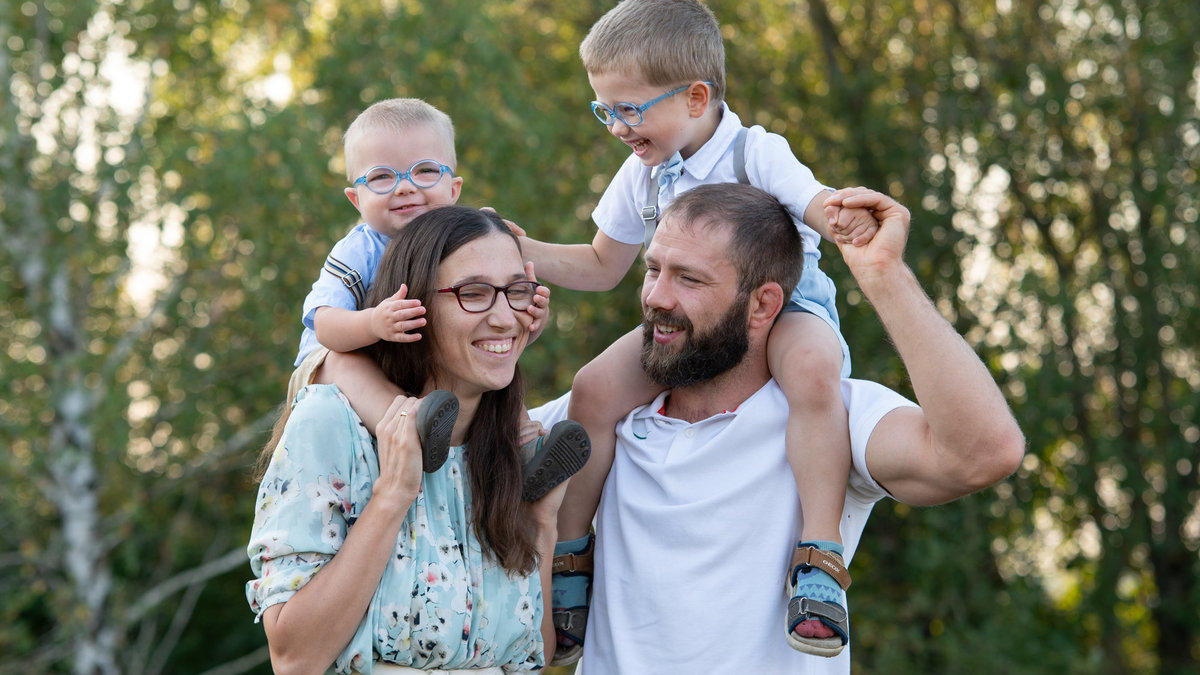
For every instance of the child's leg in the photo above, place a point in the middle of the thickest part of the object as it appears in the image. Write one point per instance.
(604, 391)
(805, 357)
(370, 394)
(361, 380)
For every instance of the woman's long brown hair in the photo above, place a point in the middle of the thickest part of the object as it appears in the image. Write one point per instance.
(498, 513)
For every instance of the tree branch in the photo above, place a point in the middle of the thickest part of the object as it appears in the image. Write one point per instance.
(245, 663)
(197, 575)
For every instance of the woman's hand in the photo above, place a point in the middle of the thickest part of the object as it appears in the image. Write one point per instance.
(399, 454)
(545, 515)
(545, 510)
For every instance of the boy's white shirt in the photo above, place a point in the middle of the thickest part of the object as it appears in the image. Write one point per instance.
(770, 166)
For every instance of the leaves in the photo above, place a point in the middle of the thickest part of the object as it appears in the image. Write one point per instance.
(170, 180)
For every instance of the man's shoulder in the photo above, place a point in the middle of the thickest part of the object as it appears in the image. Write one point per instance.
(864, 396)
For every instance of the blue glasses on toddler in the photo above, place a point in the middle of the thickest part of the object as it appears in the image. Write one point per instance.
(628, 113)
(383, 180)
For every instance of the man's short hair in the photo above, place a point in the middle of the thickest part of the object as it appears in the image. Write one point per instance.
(399, 115)
(669, 43)
(764, 244)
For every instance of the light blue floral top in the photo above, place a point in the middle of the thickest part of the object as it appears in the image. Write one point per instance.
(441, 602)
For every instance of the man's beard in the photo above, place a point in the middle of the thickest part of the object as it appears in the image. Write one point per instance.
(701, 356)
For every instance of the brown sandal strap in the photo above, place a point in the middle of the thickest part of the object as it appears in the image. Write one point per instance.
(827, 561)
(575, 563)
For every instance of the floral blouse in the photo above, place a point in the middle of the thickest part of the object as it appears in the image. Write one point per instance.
(441, 604)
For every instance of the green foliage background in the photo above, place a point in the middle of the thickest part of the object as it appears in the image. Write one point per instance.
(156, 243)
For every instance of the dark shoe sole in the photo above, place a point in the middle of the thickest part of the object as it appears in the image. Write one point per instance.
(559, 455)
(435, 422)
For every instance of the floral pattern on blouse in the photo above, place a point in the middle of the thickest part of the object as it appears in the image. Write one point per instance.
(441, 602)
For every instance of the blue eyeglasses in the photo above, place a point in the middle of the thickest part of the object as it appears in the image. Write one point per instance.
(383, 180)
(629, 113)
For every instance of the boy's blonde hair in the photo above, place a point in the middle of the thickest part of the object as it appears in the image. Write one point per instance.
(669, 43)
(398, 115)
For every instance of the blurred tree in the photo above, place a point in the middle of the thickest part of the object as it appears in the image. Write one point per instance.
(170, 179)
(1049, 152)
(143, 181)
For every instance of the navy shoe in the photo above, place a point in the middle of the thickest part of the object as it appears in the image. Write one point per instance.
(435, 422)
(553, 458)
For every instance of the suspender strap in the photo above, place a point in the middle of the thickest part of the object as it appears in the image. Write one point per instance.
(349, 276)
(739, 157)
(650, 212)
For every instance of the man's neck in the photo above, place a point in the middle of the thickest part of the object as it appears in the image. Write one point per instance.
(725, 392)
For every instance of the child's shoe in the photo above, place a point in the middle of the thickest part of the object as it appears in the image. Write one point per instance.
(570, 596)
(553, 458)
(435, 422)
(815, 584)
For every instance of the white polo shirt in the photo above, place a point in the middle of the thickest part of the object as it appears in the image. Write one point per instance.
(694, 536)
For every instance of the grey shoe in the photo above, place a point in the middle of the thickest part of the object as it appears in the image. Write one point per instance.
(553, 458)
(435, 422)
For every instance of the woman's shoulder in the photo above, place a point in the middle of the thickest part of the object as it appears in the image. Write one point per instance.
(322, 413)
(324, 400)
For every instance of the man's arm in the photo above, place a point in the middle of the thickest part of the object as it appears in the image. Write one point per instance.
(963, 438)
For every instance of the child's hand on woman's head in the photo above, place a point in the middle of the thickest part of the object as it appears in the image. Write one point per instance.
(393, 318)
(540, 309)
(516, 229)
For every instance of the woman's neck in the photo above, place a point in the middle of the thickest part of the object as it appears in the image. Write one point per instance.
(466, 414)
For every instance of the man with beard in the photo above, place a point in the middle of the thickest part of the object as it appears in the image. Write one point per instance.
(700, 502)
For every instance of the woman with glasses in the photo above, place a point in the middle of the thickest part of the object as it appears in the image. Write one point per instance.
(366, 562)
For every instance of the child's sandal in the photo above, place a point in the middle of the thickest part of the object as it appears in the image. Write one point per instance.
(807, 560)
(553, 458)
(570, 621)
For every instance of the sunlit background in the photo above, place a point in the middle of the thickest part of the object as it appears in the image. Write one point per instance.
(170, 182)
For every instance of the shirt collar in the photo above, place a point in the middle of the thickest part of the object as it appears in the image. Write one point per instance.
(700, 164)
(657, 408)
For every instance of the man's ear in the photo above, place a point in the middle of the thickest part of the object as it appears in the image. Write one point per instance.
(766, 302)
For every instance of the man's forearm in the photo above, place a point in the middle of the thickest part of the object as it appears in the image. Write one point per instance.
(971, 427)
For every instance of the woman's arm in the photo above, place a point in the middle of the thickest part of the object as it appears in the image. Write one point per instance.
(545, 515)
(306, 633)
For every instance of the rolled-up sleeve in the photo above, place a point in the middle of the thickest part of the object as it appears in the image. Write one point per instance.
(303, 508)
